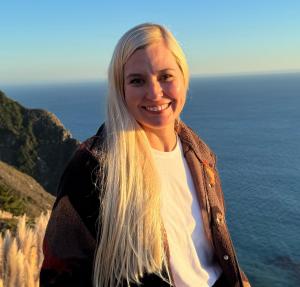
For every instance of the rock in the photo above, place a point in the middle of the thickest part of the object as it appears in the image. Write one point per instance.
(35, 142)
(20, 193)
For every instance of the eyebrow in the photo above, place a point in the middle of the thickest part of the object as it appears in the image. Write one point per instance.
(139, 74)
(133, 75)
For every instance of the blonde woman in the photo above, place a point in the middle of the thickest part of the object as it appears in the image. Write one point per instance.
(140, 203)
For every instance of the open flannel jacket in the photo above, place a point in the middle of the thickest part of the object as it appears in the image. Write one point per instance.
(71, 234)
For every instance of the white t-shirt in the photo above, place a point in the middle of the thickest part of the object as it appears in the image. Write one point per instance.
(191, 254)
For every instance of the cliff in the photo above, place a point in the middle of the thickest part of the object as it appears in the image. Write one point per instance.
(20, 193)
(35, 142)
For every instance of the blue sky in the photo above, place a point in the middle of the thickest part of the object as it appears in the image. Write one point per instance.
(45, 41)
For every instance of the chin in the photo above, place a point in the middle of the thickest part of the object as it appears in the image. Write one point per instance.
(157, 125)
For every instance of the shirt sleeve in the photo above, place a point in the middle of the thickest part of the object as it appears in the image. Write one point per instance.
(69, 243)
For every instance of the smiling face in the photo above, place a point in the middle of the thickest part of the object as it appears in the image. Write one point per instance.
(154, 88)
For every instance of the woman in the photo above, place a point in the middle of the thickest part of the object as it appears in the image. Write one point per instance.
(141, 202)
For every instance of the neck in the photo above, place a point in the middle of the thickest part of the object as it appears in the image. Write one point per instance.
(162, 140)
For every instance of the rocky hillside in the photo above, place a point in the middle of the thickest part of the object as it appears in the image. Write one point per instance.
(20, 193)
(34, 141)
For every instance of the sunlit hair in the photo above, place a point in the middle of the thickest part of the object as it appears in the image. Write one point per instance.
(131, 241)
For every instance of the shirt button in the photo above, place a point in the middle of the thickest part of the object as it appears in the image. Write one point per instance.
(226, 257)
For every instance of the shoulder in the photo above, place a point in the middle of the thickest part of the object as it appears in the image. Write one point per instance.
(79, 180)
(82, 166)
(192, 141)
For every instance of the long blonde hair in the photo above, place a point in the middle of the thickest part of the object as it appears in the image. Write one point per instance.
(131, 238)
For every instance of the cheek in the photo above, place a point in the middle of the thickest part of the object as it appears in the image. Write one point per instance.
(178, 92)
(128, 95)
(132, 98)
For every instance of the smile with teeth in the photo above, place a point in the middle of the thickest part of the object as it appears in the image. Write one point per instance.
(157, 108)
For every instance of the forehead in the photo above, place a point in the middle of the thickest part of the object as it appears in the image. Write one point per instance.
(152, 58)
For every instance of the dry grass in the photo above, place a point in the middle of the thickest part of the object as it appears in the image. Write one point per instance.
(21, 255)
(6, 215)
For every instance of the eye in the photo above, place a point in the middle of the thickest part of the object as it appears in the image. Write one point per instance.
(166, 77)
(136, 82)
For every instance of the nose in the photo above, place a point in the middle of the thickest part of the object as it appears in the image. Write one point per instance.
(155, 91)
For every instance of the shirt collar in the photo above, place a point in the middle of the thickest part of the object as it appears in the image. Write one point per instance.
(191, 141)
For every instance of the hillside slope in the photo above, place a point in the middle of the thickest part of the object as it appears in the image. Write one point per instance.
(20, 193)
(34, 141)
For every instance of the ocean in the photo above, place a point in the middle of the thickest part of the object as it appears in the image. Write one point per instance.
(252, 123)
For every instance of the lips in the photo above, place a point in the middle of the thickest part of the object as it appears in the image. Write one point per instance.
(157, 108)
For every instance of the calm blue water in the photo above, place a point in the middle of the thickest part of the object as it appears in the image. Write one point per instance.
(253, 125)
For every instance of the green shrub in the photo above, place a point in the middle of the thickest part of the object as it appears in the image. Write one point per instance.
(10, 202)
